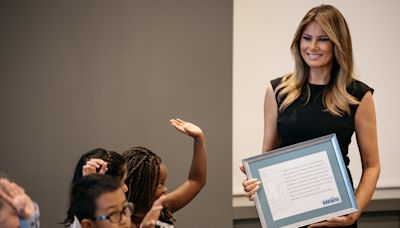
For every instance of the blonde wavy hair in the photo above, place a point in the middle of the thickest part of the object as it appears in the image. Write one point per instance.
(336, 99)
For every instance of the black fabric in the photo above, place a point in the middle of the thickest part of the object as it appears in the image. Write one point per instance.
(303, 121)
(300, 122)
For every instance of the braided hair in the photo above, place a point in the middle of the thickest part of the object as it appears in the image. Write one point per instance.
(142, 181)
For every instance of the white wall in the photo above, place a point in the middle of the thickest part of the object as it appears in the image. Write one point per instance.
(263, 30)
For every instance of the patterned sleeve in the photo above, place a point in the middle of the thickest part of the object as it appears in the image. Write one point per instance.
(32, 222)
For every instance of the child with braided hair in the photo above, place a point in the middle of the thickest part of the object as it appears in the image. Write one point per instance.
(147, 176)
(112, 164)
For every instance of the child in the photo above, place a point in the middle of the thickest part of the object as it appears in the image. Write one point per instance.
(147, 176)
(104, 162)
(98, 201)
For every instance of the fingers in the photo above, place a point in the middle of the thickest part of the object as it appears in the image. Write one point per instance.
(88, 169)
(159, 201)
(16, 197)
(92, 165)
(241, 167)
(334, 222)
(148, 224)
(5, 190)
(177, 122)
(179, 125)
(153, 214)
(103, 168)
(95, 162)
(187, 128)
(321, 224)
(9, 190)
(252, 194)
(338, 219)
(251, 187)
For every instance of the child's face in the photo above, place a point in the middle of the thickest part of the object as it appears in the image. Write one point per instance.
(8, 216)
(110, 203)
(162, 180)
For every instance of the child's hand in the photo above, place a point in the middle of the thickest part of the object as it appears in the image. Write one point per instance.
(16, 197)
(93, 165)
(186, 127)
(150, 220)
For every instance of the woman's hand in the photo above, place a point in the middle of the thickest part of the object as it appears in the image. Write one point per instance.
(345, 220)
(250, 186)
(16, 197)
(92, 165)
(186, 128)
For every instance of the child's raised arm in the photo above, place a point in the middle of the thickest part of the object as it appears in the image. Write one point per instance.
(198, 170)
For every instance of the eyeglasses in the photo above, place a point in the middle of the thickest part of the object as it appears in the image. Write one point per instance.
(116, 216)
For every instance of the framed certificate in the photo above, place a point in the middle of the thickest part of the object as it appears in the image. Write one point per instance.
(301, 184)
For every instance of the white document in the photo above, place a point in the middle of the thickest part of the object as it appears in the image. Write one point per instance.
(299, 185)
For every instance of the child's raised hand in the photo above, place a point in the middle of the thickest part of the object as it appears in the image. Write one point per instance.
(150, 220)
(186, 127)
(16, 197)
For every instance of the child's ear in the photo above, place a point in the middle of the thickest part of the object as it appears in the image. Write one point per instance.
(87, 223)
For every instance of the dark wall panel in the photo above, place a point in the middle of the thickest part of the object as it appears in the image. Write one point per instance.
(75, 75)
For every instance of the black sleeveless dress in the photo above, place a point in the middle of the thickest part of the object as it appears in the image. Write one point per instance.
(300, 122)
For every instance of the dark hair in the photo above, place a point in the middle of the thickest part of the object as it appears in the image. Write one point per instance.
(115, 168)
(84, 193)
(142, 180)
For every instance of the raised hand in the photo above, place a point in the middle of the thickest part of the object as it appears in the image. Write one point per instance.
(186, 128)
(150, 220)
(196, 180)
(16, 197)
(92, 165)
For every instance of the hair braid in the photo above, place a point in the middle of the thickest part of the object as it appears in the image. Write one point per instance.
(143, 174)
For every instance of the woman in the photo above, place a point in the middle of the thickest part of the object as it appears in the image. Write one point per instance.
(321, 97)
